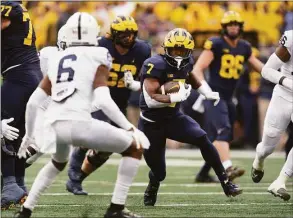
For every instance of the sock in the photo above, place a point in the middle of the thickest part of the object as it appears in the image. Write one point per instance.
(20, 181)
(211, 156)
(153, 179)
(287, 170)
(205, 169)
(227, 164)
(257, 163)
(127, 170)
(44, 179)
(75, 164)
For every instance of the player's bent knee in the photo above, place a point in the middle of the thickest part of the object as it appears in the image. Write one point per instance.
(97, 158)
(132, 151)
(58, 165)
(203, 141)
(271, 131)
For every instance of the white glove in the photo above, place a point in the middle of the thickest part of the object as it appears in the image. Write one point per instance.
(9, 132)
(181, 95)
(288, 83)
(198, 104)
(26, 142)
(140, 139)
(129, 81)
(213, 96)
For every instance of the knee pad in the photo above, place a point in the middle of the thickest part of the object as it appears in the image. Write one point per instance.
(271, 131)
(7, 149)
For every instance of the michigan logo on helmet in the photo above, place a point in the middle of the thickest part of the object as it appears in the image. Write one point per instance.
(124, 31)
(232, 18)
(178, 45)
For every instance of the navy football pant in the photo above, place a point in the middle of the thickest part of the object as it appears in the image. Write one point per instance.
(219, 122)
(181, 128)
(18, 85)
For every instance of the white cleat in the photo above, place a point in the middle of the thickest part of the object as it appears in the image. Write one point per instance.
(279, 190)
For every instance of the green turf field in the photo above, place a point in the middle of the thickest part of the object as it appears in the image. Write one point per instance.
(178, 196)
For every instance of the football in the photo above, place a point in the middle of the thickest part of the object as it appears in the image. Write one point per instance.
(170, 87)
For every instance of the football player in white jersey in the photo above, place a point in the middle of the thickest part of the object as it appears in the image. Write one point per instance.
(75, 77)
(32, 153)
(278, 116)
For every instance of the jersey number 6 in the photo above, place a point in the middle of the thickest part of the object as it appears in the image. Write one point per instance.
(65, 74)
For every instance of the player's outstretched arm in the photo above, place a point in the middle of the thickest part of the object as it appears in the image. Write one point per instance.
(39, 97)
(197, 80)
(256, 64)
(270, 70)
(103, 100)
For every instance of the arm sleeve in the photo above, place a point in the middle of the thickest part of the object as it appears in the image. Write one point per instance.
(38, 98)
(104, 101)
(270, 70)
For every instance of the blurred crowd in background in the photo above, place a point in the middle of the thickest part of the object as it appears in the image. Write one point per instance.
(267, 19)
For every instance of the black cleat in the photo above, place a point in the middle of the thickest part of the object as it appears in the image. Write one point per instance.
(206, 179)
(231, 189)
(75, 188)
(150, 194)
(234, 172)
(125, 213)
(23, 213)
(256, 175)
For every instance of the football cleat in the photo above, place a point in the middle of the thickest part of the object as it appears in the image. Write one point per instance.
(231, 189)
(256, 175)
(206, 179)
(234, 172)
(150, 194)
(75, 188)
(279, 190)
(125, 213)
(23, 213)
(11, 196)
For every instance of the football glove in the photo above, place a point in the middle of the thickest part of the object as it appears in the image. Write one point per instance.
(129, 81)
(9, 132)
(182, 94)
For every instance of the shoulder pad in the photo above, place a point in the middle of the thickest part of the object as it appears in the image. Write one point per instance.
(158, 62)
(48, 51)
(287, 39)
(212, 42)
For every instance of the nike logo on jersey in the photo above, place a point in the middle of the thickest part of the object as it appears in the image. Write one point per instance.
(133, 61)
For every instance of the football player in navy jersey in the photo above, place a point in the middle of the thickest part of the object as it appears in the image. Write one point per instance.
(224, 56)
(20, 68)
(160, 115)
(128, 54)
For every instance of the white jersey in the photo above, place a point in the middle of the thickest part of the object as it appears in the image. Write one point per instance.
(287, 68)
(45, 54)
(72, 74)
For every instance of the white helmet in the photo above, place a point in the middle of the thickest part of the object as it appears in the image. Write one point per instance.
(82, 29)
(61, 38)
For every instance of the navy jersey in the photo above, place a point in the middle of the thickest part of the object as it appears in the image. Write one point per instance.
(227, 65)
(18, 39)
(131, 61)
(157, 67)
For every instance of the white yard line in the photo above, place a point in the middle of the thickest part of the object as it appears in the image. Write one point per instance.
(161, 193)
(175, 205)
